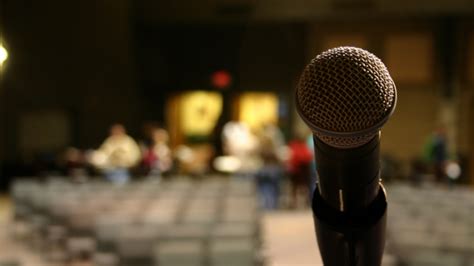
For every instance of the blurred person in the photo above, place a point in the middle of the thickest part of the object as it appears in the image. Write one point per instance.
(145, 144)
(299, 168)
(117, 155)
(45, 164)
(274, 134)
(269, 175)
(417, 168)
(72, 159)
(440, 153)
(74, 164)
(240, 142)
(238, 139)
(390, 168)
(216, 139)
(157, 157)
(147, 133)
(217, 136)
(313, 178)
(436, 152)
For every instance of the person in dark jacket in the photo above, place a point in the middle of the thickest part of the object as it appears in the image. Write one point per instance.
(269, 175)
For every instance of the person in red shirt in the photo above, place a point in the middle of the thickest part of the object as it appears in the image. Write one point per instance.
(299, 169)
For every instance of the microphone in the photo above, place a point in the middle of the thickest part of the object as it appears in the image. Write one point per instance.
(345, 95)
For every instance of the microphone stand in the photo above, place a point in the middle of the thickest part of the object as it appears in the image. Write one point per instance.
(349, 222)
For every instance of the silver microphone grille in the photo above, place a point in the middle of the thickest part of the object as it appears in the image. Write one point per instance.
(345, 95)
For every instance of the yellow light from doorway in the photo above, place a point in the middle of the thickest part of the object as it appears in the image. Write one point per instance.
(3, 54)
(199, 112)
(258, 109)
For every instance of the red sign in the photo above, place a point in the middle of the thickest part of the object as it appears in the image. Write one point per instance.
(221, 79)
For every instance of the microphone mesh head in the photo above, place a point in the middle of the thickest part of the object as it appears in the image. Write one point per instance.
(345, 95)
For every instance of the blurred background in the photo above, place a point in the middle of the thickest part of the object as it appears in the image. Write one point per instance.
(164, 132)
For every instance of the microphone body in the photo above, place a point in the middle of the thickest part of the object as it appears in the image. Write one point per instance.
(349, 205)
(345, 95)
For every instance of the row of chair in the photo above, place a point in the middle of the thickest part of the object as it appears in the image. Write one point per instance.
(176, 222)
(431, 225)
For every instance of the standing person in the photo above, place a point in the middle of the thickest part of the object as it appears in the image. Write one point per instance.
(269, 175)
(313, 173)
(117, 155)
(273, 132)
(299, 168)
(74, 164)
(239, 141)
(216, 139)
(158, 156)
(439, 153)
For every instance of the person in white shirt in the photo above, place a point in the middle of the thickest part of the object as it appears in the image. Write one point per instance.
(117, 155)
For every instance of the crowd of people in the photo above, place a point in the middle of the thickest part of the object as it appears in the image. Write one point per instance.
(279, 167)
(265, 156)
(261, 154)
(284, 171)
(120, 157)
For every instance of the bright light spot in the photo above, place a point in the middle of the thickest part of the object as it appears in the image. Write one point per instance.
(453, 170)
(184, 154)
(3, 54)
(229, 164)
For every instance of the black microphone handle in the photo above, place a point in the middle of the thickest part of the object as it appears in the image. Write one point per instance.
(348, 178)
(349, 205)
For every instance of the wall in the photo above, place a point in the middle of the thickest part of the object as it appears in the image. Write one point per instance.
(295, 10)
(413, 52)
(71, 56)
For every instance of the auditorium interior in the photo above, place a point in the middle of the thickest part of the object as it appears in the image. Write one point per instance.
(196, 94)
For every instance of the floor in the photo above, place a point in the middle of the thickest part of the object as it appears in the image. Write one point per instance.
(289, 239)
(9, 251)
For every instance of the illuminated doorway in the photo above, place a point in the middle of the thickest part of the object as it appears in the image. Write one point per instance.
(257, 109)
(192, 116)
